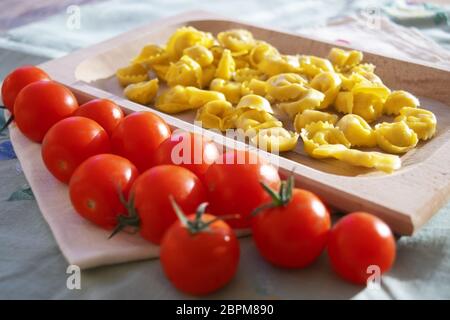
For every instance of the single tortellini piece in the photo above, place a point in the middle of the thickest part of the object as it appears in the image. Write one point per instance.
(260, 51)
(247, 74)
(368, 159)
(275, 64)
(226, 67)
(236, 40)
(150, 55)
(254, 86)
(422, 121)
(312, 65)
(186, 37)
(134, 73)
(161, 70)
(319, 133)
(142, 92)
(399, 99)
(198, 98)
(311, 99)
(185, 72)
(255, 120)
(357, 131)
(309, 116)
(286, 87)
(276, 139)
(202, 55)
(365, 99)
(217, 114)
(344, 59)
(395, 137)
(208, 74)
(253, 101)
(329, 83)
(174, 100)
(231, 89)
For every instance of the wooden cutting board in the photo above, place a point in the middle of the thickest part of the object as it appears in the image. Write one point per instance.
(405, 199)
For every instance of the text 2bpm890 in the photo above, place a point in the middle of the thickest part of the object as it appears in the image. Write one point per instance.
(226, 309)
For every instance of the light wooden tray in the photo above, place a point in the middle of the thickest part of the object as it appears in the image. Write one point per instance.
(405, 199)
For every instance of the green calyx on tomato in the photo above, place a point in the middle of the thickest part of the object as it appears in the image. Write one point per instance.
(130, 220)
(280, 198)
(197, 225)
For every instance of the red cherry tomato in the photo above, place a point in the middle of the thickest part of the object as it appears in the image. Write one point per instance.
(40, 105)
(233, 185)
(71, 141)
(138, 136)
(151, 193)
(357, 241)
(17, 80)
(105, 112)
(95, 186)
(191, 151)
(202, 262)
(294, 233)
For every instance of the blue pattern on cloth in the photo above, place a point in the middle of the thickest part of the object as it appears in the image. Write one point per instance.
(31, 265)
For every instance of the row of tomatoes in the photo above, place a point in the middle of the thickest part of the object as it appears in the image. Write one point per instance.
(124, 172)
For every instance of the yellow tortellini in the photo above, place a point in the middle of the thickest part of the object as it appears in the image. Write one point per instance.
(185, 72)
(226, 67)
(329, 83)
(142, 92)
(344, 60)
(368, 159)
(285, 87)
(395, 137)
(253, 119)
(236, 40)
(186, 37)
(276, 64)
(311, 99)
(421, 121)
(132, 74)
(357, 131)
(202, 55)
(309, 116)
(311, 65)
(321, 133)
(234, 81)
(275, 139)
(179, 98)
(217, 114)
(253, 101)
(231, 89)
(365, 99)
(399, 99)
(150, 55)
(254, 86)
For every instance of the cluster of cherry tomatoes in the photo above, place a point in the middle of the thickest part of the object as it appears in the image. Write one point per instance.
(122, 173)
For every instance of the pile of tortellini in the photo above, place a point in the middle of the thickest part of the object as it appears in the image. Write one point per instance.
(237, 82)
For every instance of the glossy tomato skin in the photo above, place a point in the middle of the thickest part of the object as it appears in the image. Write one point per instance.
(71, 141)
(294, 235)
(191, 151)
(151, 198)
(138, 136)
(357, 241)
(233, 185)
(95, 185)
(17, 80)
(200, 263)
(105, 112)
(40, 105)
